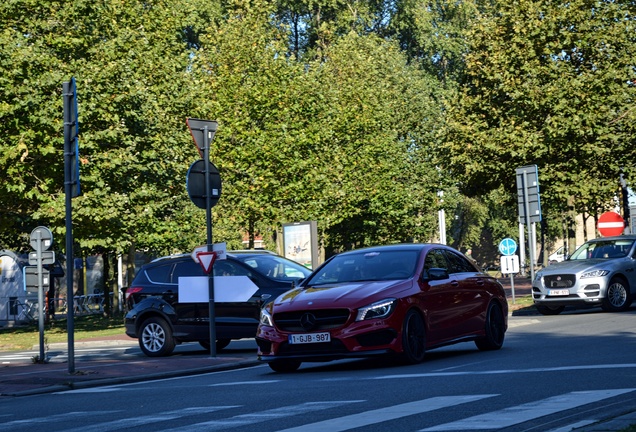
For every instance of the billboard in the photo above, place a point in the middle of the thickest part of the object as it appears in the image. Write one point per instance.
(300, 243)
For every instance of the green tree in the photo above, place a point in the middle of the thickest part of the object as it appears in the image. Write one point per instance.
(548, 83)
(130, 60)
(335, 139)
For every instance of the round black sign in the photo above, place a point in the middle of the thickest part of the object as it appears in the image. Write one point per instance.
(195, 183)
(43, 236)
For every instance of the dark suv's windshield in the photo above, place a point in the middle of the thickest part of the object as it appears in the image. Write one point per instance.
(275, 267)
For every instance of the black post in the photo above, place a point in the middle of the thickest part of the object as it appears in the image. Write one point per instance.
(71, 188)
(625, 193)
(208, 219)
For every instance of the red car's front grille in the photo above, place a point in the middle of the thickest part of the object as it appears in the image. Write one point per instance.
(311, 320)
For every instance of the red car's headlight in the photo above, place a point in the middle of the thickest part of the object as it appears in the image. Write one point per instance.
(266, 316)
(379, 309)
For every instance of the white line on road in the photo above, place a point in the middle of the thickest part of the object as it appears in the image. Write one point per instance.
(244, 383)
(525, 412)
(510, 371)
(385, 414)
(261, 416)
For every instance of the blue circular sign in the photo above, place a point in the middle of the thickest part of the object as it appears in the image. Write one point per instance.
(508, 246)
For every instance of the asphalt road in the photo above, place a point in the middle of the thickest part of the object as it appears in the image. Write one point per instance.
(556, 373)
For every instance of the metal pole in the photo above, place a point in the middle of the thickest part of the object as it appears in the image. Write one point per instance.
(38, 251)
(512, 287)
(208, 217)
(441, 217)
(527, 210)
(68, 190)
(522, 250)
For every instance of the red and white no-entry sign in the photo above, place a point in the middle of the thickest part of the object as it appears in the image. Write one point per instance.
(611, 224)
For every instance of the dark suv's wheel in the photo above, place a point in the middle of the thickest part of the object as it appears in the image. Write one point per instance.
(220, 344)
(618, 297)
(155, 337)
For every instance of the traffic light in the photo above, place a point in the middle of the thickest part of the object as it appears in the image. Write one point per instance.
(71, 136)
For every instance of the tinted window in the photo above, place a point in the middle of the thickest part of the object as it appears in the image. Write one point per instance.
(435, 259)
(458, 263)
(186, 268)
(275, 267)
(367, 266)
(159, 273)
(229, 268)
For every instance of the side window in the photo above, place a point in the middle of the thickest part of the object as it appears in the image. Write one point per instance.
(229, 268)
(186, 268)
(160, 273)
(435, 259)
(459, 264)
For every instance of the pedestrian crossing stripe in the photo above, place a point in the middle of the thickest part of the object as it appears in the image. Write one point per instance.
(385, 414)
(498, 419)
(521, 413)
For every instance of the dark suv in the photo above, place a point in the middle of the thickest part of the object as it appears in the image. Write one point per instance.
(159, 321)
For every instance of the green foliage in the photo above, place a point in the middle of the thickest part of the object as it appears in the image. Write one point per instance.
(352, 114)
(330, 140)
(551, 84)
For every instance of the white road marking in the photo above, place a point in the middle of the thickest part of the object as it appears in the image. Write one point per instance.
(52, 419)
(385, 414)
(525, 412)
(244, 383)
(258, 417)
(509, 371)
(132, 422)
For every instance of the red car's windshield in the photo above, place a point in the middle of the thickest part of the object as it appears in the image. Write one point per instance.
(367, 266)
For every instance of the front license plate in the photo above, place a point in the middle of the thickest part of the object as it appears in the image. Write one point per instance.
(559, 292)
(309, 338)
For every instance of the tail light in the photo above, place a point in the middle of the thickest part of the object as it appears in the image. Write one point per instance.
(132, 290)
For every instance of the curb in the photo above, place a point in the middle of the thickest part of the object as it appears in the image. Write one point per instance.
(228, 364)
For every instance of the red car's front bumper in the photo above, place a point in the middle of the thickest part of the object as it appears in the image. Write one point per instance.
(356, 339)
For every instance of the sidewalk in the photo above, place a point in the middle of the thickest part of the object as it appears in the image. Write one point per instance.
(23, 378)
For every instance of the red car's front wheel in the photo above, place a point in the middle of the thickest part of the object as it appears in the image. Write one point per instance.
(413, 337)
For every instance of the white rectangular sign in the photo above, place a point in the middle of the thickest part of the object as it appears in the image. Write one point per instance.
(227, 289)
(509, 264)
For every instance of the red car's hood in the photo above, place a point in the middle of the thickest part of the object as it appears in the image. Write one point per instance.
(348, 295)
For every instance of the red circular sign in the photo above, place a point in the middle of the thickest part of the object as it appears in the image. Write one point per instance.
(611, 224)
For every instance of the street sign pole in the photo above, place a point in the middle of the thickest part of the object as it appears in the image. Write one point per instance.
(202, 133)
(38, 250)
(41, 239)
(509, 263)
(529, 226)
(529, 204)
(208, 220)
(71, 190)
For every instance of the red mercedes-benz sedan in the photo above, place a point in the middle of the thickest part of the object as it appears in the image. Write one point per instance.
(399, 299)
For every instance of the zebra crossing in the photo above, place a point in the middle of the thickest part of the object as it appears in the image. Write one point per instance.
(223, 417)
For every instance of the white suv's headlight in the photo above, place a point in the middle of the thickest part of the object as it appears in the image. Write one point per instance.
(266, 318)
(379, 309)
(595, 273)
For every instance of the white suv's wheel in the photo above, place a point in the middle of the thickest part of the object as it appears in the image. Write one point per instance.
(618, 297)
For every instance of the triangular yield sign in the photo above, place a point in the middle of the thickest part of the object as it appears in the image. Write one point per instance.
(206, 259)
